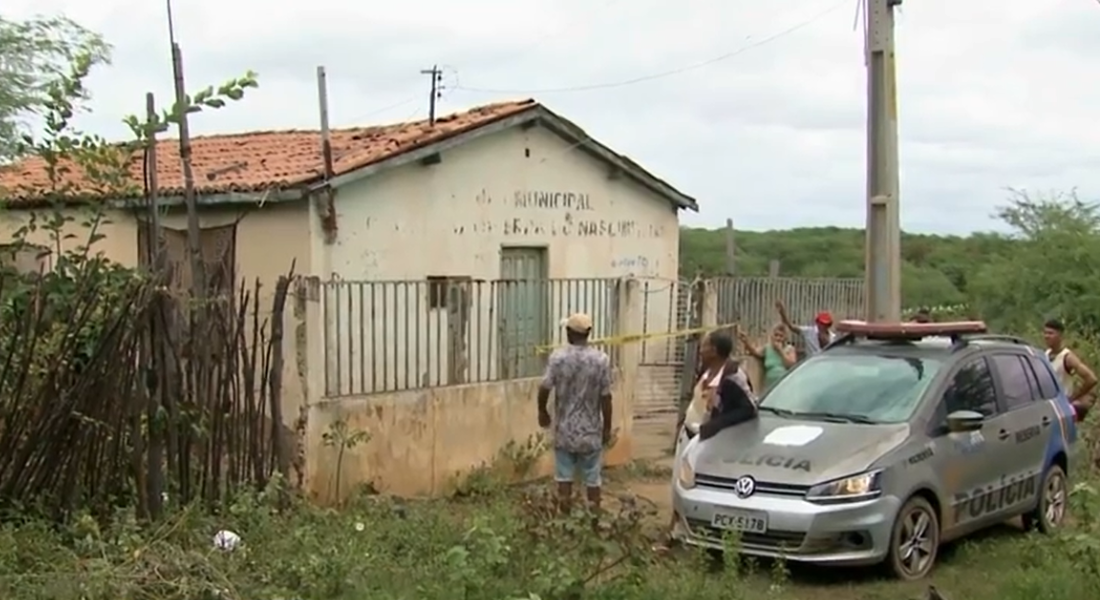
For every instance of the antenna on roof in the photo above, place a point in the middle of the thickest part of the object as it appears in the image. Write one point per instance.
(437, 90)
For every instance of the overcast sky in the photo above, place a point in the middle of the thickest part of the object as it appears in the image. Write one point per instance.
(993, 93)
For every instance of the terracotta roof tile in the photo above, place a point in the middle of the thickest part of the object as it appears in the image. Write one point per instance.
(244, 162)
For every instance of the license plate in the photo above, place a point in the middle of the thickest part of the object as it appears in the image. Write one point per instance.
(751, 522)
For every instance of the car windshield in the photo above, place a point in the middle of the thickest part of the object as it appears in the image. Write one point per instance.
(852, 387)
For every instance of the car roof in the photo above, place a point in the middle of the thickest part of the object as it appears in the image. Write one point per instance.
(930, 347)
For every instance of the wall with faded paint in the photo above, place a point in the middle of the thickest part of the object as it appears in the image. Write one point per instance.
(515, 188)
(424, 441)
(269, 239)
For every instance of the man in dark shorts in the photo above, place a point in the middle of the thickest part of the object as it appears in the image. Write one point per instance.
(580, 378)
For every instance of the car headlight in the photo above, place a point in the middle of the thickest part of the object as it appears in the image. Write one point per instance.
(686, 474)
(850, 489)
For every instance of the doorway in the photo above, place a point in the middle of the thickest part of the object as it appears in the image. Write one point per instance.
(523, 309)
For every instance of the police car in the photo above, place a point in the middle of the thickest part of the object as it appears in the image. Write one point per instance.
(893, 440)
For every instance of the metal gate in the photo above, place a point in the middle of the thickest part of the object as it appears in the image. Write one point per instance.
(668, 307)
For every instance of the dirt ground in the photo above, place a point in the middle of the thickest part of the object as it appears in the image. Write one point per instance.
(650, 475)
(966, 570)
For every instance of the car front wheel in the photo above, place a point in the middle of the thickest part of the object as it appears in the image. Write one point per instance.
(1053, 502)
(915, 540)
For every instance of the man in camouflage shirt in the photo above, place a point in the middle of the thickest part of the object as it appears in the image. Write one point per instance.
(580, 378)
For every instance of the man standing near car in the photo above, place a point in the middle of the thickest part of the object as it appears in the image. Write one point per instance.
(1068, 365)
(580, 378)
(814, 337)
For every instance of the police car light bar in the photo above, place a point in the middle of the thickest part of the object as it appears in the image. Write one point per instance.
(910, 331)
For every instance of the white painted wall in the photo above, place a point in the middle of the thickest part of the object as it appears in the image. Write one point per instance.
(514, 188)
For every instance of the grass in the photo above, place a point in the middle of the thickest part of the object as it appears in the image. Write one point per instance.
(498, 544)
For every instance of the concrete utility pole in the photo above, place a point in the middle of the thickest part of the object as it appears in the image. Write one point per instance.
(883, 258)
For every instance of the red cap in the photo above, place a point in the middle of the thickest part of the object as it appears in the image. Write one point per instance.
(824, 318)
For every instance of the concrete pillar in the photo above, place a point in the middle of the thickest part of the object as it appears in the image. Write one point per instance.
(630, 321)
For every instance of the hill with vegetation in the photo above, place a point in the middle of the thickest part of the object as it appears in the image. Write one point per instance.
(1046, 265)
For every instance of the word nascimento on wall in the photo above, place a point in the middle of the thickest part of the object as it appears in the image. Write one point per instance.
(568, 226)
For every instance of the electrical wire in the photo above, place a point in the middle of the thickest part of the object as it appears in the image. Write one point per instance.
(662, 74)
(387, 108)
(549, 33)
(452, 72)
(588, 139)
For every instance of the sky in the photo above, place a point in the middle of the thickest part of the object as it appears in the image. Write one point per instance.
(757, 109)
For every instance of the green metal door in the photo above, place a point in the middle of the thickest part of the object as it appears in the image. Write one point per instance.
(523, 301)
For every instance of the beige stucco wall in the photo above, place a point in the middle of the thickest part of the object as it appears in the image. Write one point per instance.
(423, 441)
(118, 229)
(452, 219)
(269, 239)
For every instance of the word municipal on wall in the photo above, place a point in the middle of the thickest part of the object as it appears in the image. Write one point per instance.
(551, 200)
(566, 227)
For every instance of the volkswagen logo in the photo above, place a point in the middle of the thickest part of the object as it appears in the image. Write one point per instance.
(745, 487)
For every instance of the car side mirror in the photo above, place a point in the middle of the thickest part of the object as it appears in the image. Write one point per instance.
(964, 420)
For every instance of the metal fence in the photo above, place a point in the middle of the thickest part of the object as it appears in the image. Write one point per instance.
(667, 306)
(750, 301)
(395, 335)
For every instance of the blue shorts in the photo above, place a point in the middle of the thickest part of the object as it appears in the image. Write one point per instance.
(566, 465)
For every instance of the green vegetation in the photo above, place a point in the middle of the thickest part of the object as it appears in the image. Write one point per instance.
(496, 542)
(36, 52)
(503, 544)
(1045, 265)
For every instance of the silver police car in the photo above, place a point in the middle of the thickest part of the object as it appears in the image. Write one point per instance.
(895, 439)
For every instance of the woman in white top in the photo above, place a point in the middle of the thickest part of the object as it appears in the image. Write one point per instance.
(1068, 365)
(722, 398)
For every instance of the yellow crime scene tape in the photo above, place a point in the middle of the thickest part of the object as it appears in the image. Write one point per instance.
(630, 338)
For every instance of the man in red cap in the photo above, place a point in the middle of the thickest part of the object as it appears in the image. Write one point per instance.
(815, 337)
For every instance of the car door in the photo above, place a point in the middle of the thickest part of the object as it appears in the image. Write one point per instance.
(969, 463)
(1028, 422)
(1059, 416)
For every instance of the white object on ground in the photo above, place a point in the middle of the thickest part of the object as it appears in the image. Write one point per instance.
(226, 540)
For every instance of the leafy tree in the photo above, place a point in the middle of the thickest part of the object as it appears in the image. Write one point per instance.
(1053, 270)
(936, 270)
(57, 324)
(34, 54)
(1046, 266)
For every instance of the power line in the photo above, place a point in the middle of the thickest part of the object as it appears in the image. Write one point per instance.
(663, 74)
(546, 35)
(375, 111)
(449, 73)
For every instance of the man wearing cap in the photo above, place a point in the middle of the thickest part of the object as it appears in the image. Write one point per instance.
(815, 337)
(580, 378)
